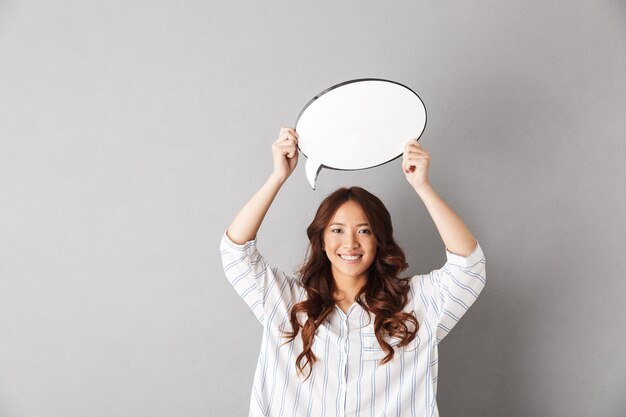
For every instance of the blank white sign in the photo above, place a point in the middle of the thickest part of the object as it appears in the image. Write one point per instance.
(358, 124)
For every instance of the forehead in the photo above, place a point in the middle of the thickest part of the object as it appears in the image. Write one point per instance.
(349, 212)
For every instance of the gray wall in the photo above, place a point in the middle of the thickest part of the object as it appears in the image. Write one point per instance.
(131, 133)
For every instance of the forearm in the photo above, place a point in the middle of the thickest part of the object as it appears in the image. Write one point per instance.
(247, 222)
(454, 233)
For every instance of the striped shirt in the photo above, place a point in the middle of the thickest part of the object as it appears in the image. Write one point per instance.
(347, 379)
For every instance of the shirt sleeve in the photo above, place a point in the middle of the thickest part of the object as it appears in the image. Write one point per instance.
(264, 289)
(452, 289)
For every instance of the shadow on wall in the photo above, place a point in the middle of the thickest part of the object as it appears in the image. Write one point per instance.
(491, 363)
(482, 366)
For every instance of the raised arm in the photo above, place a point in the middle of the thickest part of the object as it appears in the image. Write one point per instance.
(454, 233)
(285, 156)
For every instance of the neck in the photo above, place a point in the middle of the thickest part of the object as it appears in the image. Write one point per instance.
(346, 288)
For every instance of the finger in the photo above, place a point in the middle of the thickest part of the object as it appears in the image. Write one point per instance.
(291, 135)
(415, 161)
(288, 144)
(286, 130)
(413, 141)
(288, 150)
(407, 167)
(420, 154)
(287, 137)
(413, 145)
(415, 154)
(418, 158)
(289, 141)
(293, 153)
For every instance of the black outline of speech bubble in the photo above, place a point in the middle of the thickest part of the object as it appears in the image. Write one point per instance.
(356, 81)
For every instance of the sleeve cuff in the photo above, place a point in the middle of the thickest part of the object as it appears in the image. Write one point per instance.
(237, 246)
(471, 259)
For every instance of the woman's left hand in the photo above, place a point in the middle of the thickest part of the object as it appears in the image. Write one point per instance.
(415, 162)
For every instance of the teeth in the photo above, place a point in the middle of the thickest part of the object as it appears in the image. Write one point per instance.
(350, 258)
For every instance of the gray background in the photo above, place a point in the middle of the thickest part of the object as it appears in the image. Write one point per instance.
(132, 132)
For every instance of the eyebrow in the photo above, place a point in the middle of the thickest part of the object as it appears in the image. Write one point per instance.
(343, 224)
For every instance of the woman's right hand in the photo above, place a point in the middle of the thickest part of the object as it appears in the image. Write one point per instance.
(285, 153)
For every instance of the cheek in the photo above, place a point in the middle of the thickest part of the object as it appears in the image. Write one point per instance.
(373, 250)
(328, 247)
(329, 242)
(371, 246)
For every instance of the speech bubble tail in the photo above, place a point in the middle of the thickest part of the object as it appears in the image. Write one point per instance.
(312, 169)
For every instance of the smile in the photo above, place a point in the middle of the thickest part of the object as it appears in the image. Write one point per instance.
(350, 257)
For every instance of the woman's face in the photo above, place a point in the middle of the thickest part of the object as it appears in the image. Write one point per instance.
(349, 243)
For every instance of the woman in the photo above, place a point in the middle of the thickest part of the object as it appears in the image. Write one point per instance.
(347, 336)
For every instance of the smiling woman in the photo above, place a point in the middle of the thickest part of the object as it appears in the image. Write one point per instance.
(368, 337)
(353, 259)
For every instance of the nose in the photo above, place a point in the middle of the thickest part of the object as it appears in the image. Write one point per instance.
(350, 241)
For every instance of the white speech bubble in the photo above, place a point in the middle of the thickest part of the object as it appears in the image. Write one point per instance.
(358, 124)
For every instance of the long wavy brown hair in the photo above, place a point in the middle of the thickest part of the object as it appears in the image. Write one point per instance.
(384, 294)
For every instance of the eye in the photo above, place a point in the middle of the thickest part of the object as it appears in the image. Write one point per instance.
(335, 230)
(365, 231)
